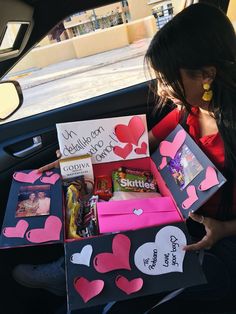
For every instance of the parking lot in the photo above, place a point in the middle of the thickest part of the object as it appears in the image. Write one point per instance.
(79, 79)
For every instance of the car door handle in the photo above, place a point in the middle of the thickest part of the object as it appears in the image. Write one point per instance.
(37, 144)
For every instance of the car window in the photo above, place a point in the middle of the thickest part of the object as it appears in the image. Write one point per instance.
(90, 53)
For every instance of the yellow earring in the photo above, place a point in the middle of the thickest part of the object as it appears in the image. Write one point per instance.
(208, 94)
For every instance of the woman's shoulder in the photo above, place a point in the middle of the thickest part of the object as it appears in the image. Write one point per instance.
(167, 124)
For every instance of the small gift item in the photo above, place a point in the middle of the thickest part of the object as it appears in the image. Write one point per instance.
(103, 187)
(80, 209)
(133, 180)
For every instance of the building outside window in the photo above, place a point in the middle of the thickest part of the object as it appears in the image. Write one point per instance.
(163, 14)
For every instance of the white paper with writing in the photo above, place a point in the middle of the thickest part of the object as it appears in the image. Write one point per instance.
(163, 256)
(106, 140)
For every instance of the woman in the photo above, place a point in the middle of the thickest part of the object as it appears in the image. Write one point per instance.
(28, 207)
(194, 59)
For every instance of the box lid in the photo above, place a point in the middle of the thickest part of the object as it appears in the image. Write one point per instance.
(186, 171)
(34, 212)
(106, 140)
(129, 264)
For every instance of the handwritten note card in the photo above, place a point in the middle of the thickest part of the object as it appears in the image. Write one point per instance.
(106, 140)
(163, 256)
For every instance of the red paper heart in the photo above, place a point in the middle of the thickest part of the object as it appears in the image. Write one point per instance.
(127, 286)
(210, 179)
(16, 232)
(50, 232)
(30, 177)
(141, 150)
(51, 180)
(192, 197)
(123, 152)
(118, 259)
(88, 289)
(132, 132)
(169, 149)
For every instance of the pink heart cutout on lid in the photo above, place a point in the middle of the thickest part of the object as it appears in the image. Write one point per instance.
(123, 152)
(30, 177)
(88, 289)
(192, 197)
(169, 149)
(50, 232)
(16, 232)
(132, 132)
(210, 179)
(51, 180)
(163, 163)
(141, 150)
(118, 259)
(48, 173)
(129, 286)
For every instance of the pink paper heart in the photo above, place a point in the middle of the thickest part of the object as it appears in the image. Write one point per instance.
(123, 152)
(50, 232)
(127, 286)
(18, 231)
(88, 289)
(169, 149)
(30, 177)
(118, 259)
(48, 173)
(192, 197)
(163, 163)
(141, 150)
(210, 179)
(50, 180)
(132, 132)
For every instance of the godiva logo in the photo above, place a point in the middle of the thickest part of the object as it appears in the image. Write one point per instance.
(76, 167)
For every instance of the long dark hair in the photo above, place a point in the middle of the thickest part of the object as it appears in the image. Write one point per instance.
(201, 35)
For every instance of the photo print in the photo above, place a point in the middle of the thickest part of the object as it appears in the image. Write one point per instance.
(184, 167)
(33, 200)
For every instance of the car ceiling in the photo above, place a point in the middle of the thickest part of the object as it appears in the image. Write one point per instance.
(45, 15)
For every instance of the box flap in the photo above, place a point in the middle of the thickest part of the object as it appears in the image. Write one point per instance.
(106, 140)
(187, 172)
(130, 265)
(34, 212)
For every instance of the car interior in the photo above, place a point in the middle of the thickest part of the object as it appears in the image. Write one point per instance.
(31, 142)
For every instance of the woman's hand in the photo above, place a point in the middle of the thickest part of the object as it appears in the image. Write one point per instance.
(54, 164)
(214, 232)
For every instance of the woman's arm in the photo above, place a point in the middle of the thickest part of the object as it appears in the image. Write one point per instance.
(215, 231)
(229, 228)
(153, 142)
(162, 129)
(54, 164)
